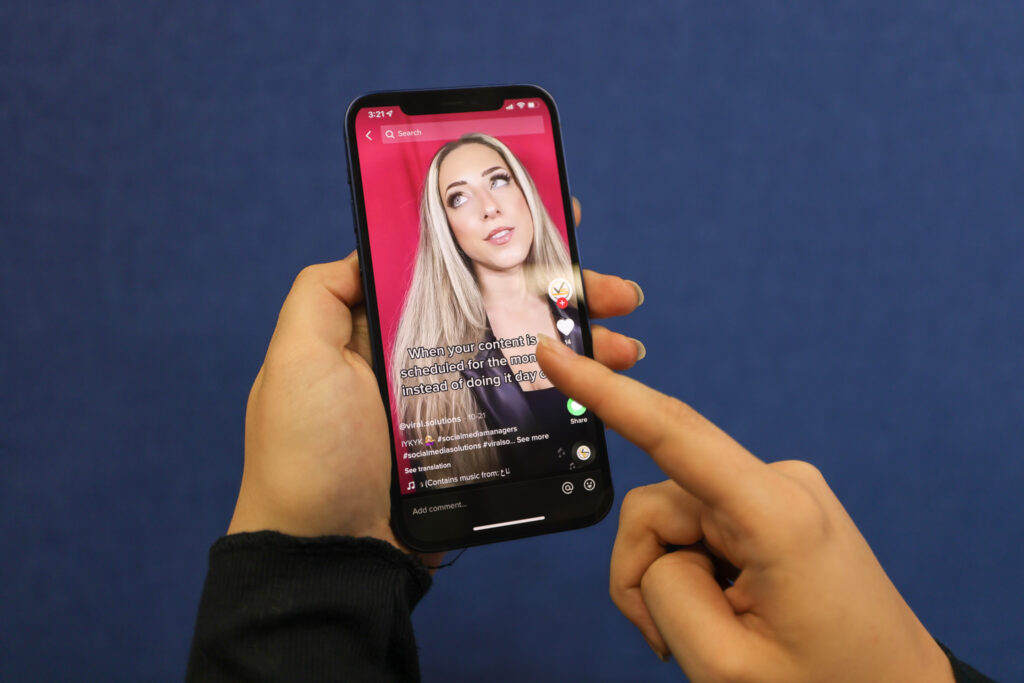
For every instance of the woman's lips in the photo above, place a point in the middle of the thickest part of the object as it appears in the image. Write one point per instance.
(499, 235)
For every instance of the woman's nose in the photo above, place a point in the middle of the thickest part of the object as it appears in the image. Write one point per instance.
(491, 207)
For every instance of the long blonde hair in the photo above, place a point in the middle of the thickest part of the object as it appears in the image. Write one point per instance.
(444, 307)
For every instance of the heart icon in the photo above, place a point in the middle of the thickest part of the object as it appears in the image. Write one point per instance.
(565, 326)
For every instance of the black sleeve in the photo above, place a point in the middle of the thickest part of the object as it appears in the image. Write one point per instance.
(964, 673)
(278, 608)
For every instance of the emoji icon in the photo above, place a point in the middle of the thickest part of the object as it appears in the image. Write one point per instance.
(429, 440)
(565, 326)
(589, 484)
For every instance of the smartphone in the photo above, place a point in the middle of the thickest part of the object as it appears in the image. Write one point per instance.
(466, 242)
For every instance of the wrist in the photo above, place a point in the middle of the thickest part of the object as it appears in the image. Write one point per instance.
(936, 667)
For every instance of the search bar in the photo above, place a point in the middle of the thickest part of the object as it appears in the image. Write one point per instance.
(450, 130)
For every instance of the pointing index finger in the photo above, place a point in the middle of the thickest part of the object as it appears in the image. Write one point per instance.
(690, 449)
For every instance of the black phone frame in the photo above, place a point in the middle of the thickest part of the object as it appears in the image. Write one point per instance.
(466, 100)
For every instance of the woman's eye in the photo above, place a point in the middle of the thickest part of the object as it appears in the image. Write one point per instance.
(499, 180)
(456, 200)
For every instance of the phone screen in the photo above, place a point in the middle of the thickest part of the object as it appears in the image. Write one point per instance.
(468, 255)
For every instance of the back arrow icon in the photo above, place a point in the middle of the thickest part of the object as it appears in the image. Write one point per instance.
(368, 136)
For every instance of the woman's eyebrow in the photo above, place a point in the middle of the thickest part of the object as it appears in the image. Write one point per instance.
(492, 169)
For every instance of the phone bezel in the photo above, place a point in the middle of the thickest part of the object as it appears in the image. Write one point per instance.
(463, 100)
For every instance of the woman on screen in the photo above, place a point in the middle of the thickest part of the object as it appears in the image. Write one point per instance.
(488, 252)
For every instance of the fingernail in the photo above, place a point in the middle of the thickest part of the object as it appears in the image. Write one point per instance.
(641, 350)
(639, 293)
(556, 346)
(662, 657)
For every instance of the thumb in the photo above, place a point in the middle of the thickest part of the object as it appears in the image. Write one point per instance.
(320, 303)
(694, 616)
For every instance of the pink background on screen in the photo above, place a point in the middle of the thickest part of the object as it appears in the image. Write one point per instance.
(393, 175)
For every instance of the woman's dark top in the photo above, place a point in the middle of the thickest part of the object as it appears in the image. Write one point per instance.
(506, 404)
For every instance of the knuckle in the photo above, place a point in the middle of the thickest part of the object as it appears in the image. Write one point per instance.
(307, 274)
(620, 587)
(649, 580)
(677, 410)
(617, 594)
(659, 573)
(629, 503)
(635, 504)
(803, 518)
(676, 413)
(730, 667)
(801, 470)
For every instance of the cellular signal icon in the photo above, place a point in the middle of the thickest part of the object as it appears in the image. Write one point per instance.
(509, 107)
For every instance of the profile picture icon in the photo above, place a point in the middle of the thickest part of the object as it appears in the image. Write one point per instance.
(583, 452)
(560, 291)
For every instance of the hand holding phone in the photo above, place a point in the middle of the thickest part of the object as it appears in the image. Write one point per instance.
(317, 448)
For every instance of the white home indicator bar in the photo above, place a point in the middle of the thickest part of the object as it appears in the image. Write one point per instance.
(514, 521)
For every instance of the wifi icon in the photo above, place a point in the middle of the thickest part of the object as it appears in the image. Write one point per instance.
(520, 104)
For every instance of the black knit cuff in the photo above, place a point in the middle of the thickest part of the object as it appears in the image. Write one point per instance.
(275, 549)
(277, 607)
(964, 673)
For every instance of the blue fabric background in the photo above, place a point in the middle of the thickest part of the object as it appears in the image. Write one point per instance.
(823, 202)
